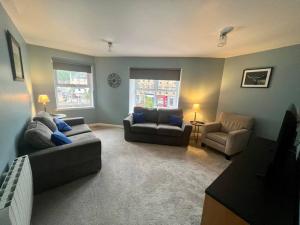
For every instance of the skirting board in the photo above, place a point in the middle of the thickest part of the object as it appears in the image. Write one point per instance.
(105, 125)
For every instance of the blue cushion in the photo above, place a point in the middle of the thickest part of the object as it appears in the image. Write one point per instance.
(62, 125)
(138, 117)
(58, 138)
(175, 120)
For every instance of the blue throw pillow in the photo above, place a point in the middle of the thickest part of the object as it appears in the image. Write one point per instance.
(62, 125)
(175, 120)
(58, 138)
(138, 117)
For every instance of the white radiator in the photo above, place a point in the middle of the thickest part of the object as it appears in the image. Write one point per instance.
(16, 194)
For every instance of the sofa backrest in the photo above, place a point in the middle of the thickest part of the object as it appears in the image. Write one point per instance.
(231, 122)
(151, 115)
(164, 114)
(38, 135)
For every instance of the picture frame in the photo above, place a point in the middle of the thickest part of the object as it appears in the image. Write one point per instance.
(257, 77)
(15, 56)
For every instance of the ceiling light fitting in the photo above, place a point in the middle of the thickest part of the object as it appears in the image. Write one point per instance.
(223, 36)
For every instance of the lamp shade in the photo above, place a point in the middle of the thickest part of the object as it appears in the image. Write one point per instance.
(43, 99)
(196, 107)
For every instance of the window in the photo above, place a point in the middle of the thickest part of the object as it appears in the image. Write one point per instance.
(154, 93)
(73, 86)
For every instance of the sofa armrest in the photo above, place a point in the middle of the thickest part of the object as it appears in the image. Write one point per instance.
(127, 122)
(211, 127)
(74, 121)
(237, 141)
(187, 128)
(63, 156)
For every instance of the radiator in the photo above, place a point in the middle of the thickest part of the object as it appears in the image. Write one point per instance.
(16, 194)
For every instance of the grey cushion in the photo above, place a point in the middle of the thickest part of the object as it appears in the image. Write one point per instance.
(78, 129)
(46, 119)
(219, 137)
(38, 135)
(164, 114)
(169, 130)
(145, 128)
(151, 115)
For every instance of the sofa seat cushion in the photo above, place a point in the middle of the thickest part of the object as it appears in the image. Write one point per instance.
(84, 137)
(219, 137)
(169, 130)
(144, 128)
(78, 129)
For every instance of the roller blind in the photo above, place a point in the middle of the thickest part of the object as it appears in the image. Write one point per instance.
(155, 74)
(59, 64)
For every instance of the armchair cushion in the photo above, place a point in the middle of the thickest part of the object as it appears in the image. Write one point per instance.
(61, 125)
(58, 138)
(219, 137)
(169, 130)
(138, 117)
(146, 128)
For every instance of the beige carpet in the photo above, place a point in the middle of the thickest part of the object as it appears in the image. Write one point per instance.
(139, 184)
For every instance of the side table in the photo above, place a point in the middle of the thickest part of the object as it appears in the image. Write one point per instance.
(196, 127)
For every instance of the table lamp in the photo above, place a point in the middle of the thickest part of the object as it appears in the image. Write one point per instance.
(196, 108)
(43, 99)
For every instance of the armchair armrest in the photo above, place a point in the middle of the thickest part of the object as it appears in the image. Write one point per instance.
(63, 156)
(127, 122)
(74, 121)
(237, 141)
(211, 127)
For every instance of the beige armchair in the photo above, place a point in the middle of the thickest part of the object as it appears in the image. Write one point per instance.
(230, 134)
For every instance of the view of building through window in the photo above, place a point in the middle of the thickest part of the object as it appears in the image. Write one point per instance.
(73, 89)
(154, 93)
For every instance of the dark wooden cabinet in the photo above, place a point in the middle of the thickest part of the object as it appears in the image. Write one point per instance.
(241, 195)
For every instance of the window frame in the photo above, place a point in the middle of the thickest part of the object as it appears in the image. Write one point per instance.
(90, 85)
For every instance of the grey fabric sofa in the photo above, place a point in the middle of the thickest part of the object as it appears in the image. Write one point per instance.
(156, 128)
(229, 134)
(55, 165)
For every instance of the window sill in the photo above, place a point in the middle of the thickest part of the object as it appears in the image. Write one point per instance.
(74, 108)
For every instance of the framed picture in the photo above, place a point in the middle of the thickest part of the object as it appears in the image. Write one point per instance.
(15, 57)
(257, 78)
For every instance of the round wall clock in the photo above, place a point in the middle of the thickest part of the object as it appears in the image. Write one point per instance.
(114, 80)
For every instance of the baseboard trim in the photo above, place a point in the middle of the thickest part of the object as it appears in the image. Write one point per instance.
(105, 125)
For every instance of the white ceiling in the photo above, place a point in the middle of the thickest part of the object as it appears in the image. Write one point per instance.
(157, 27)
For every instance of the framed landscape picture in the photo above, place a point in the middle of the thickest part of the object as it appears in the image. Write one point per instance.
(15, 56)
(256, 78)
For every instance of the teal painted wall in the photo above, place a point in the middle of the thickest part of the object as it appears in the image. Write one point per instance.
(201, 80)
(267, 105)
(15, 100)
(200, 83)
(41, 72)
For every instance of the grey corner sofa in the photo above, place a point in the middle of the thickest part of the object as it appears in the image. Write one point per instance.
(156, 128)
(229, 134)
(55, 165)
